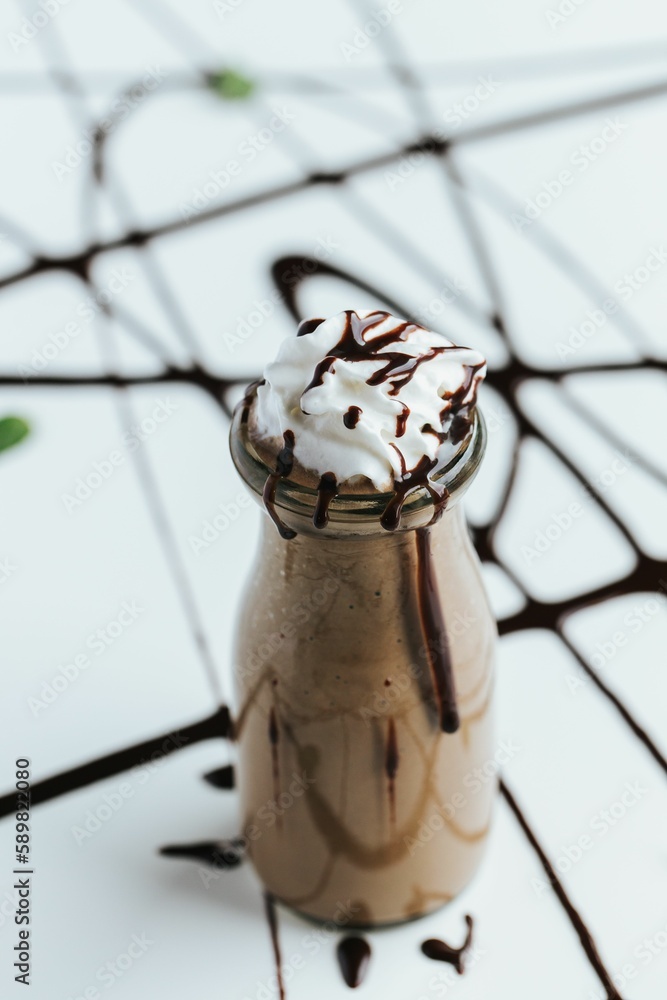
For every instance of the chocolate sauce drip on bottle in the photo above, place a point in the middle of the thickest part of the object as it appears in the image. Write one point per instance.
(326, 491)
(435, 634)
(440, 951)
(274, 738)
(405, 484)
(354, 954)
(284, 463)
(391, 767)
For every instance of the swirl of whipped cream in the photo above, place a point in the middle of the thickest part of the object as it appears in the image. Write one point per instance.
(367, 395)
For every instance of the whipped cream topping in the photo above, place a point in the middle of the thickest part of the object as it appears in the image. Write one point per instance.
(368, 395)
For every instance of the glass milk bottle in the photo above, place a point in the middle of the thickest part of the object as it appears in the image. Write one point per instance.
(364, 667)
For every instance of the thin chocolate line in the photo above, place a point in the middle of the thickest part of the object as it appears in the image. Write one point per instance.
(583, 933)
(629, 719)
(272, 918)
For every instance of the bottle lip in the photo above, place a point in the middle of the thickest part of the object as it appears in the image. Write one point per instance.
(357, 513)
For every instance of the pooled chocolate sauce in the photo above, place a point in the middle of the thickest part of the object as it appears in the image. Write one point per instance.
(440, 951)
(222, 854)
(351, 417)
(326, 491)
(222, 777)
(284, 463)
(391, 767)
(436, 644)
(353, 954)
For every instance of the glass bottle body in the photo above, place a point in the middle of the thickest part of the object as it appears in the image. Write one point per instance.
(354, 800)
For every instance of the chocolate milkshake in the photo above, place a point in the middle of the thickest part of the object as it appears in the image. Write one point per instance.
(364, 660)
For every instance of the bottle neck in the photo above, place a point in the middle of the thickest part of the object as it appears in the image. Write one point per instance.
(297, 509)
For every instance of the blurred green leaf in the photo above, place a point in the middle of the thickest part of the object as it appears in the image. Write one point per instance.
(230, 85)
(12, 430)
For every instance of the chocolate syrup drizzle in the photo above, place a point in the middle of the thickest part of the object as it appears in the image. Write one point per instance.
(435, 635)
(354, 954)
(440, 951)
(641, 578)
(326, 491)
(274, 739)
(284, 463)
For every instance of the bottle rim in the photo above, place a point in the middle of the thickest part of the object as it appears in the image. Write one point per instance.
(296, 503)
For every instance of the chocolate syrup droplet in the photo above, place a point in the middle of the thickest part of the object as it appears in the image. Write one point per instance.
(326, 491)
(284, 463)
(440, 951)
(222, 777)
(353, 957)
(402, 421)
(351, 417)
(223, 854)
(391, 767)
(435, 634)
(307, 326)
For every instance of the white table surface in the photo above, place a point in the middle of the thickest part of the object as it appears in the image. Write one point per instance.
(402, 227)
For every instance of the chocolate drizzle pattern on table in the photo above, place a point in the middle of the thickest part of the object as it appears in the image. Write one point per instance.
(642, 577)
(440, 951)
(353, 954)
